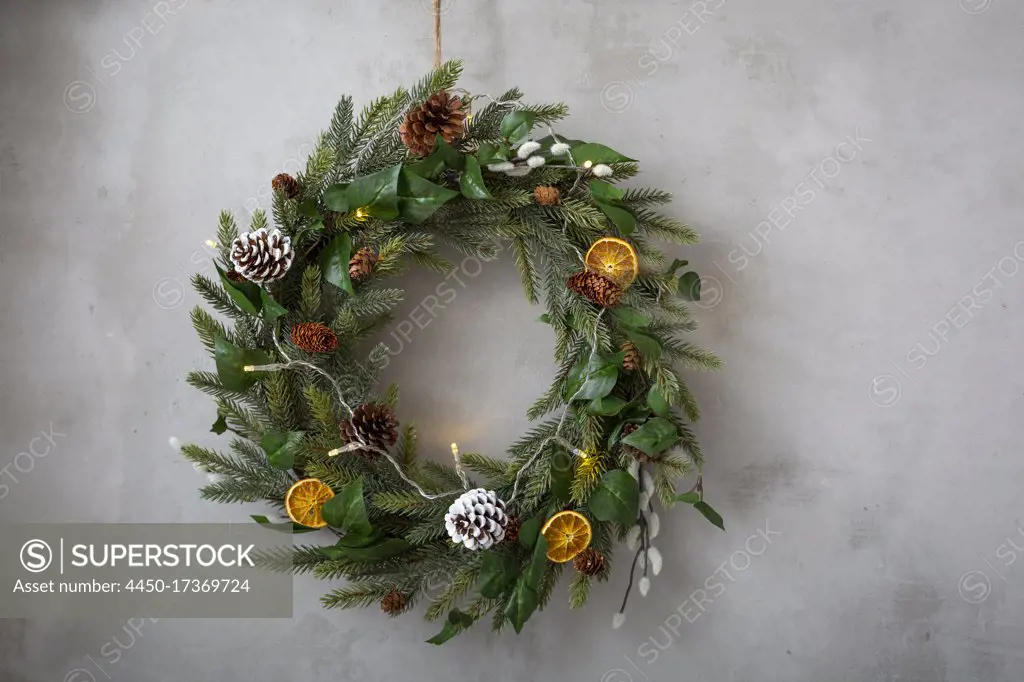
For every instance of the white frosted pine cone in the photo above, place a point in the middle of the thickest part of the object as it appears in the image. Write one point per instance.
(262, 256)
(477, 519)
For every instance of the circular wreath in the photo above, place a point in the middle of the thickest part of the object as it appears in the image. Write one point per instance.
(298, 391)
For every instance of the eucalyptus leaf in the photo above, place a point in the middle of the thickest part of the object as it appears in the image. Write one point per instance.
(654, 436)
(599, 384)
(384, 549)
(616, 498)
(517, 125)
(688, 498)
(347, 510)
(656, 401)
(628, 317)
(271, 308)
(456, 622)
(335, 198)
(419, 198)
(710, 514)
(597, 153)
(472, 182)
(291, 528)
(449, 154)
(676, 264)
(561, 474)
(231, 360)
(689, 286)
(488, 153)
(650, 349)
(309, 209)
(521, 606)
(280, 447)
(607, 406)
(605, 191)
(499, 570)
(620, 217)
(219, 426)
(529, 531)
(246, 295)
(333, 262)
(534, 570)
(376, 193)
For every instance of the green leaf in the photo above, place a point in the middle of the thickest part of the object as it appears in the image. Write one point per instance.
(607, 406)
(457, 622)
(605, 191)
(499, 570)
(449, 154)
(219, 426)
(353, 540)
(488, 153)
(656, 401)
(333, 262)
(616, 498)
(472, 182)
(280, 447)
(650, 349)
(231, 359)
(710, 514)
(689, 286)
(599, 384)
(597, 153)
(292, 529)
(620, 217)
(376, 193)
(384, 549)
(538, 561)
(628, 317)
(524, 599)
(688, 498)
(335, 198)
(676, 264)
(529, 531)
(271, 308)
(246, 295)
(419, 198)
(545, 318)
(654, 436)
(516, 126)
(309, 209)
(561, 475)
(347, 510)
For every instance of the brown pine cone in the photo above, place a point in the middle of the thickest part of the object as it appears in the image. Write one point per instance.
(547, 196)
(632, 361)
(629, 449)
(441, 115)
(596, 287)
(393, 603)
(360, 266)
(285, 184)
(589, 562)
(374, 424)
(314, 337)
(234, 276)
(512, 529)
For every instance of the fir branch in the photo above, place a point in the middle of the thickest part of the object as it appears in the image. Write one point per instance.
(496, 471)
(214, 294)
(367, 592)
(296, 560)
(579, 590)
(208, 328)
(311, 287)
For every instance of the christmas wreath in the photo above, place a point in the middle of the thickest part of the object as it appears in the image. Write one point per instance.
(295, 382)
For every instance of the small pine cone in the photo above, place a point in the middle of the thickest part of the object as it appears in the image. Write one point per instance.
(629, 449)
(477, 519)
(374, 424)
(441, 115)
(597, 288)
(632, 361)
(589, 562)
(512, 529)
(547, 196)
(393, 603)
(314, 337)
(234, 276)
(262, 256)
(285, 184)
(360, 266)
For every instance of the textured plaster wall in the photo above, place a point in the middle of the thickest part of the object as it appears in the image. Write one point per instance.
(855, 169)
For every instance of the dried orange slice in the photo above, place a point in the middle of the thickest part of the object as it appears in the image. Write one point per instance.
(568, 533)
(614, 258)
(304, 502)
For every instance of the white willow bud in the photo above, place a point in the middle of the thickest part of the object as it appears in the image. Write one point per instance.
(645, 586)
(502, 167)
(518, 171)
(647, 482)
(535, 161)
(559, 149)
(655, 556)
(527, 148)
(618, 619)
(653, 525)
(174, 442)
(601, 170)
(633, 538)
(645, 499)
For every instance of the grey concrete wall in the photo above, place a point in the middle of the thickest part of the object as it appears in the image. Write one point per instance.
(854, 167)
